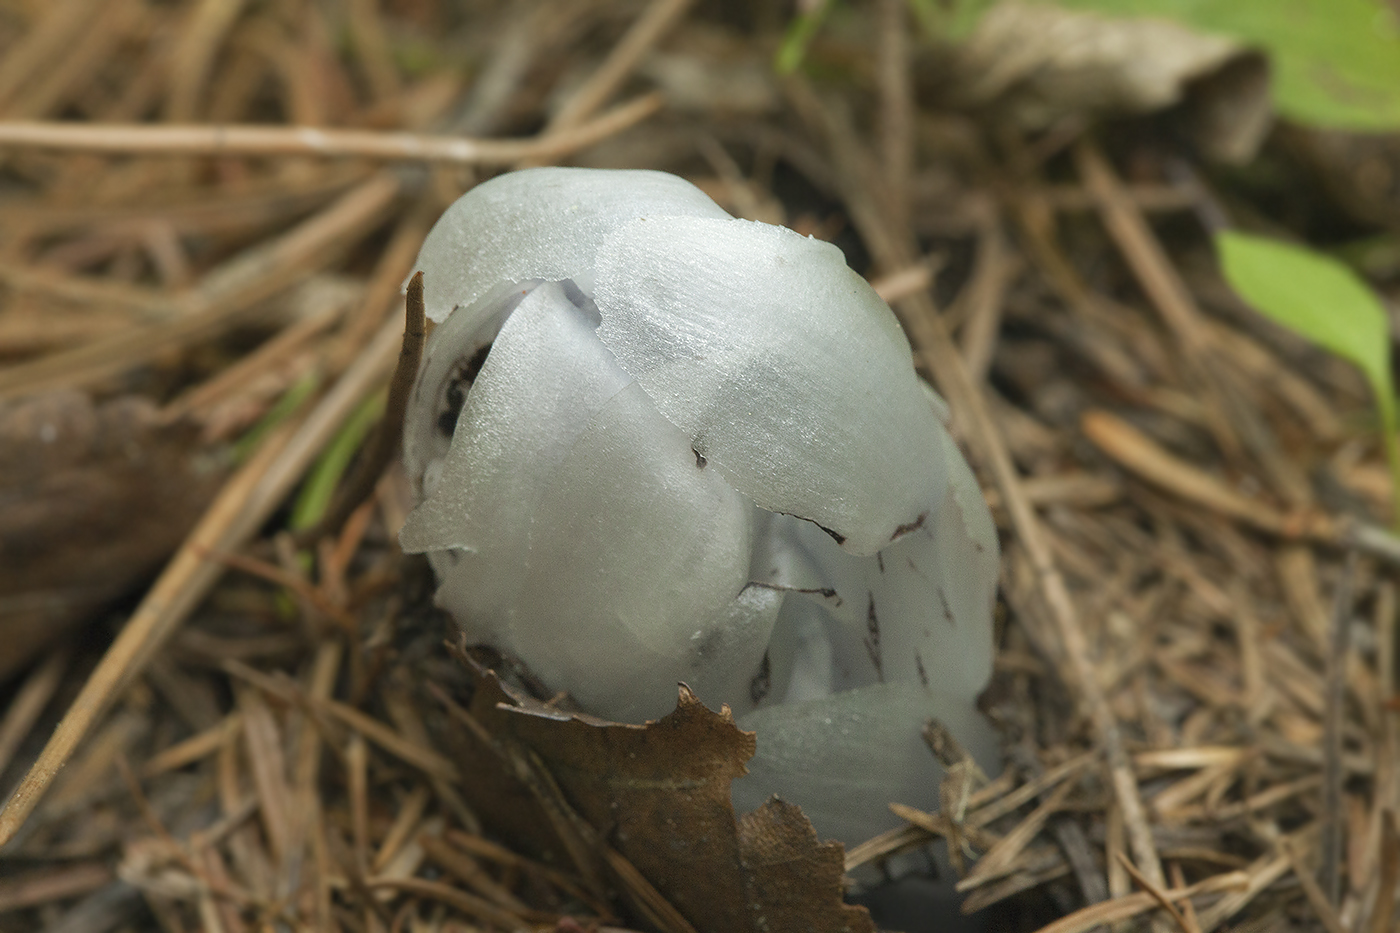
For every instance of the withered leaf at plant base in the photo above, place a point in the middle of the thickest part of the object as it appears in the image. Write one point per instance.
(658, 794)
(792, 874)
(92, 499)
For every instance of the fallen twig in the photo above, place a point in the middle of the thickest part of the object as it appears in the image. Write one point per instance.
(143, 139)
(245, 502)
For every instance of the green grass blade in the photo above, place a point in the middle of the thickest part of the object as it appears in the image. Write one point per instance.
(285, 407)
(316, 492)
(798, 37)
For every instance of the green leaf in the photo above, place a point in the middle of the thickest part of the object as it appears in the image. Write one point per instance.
(1313, 294)
(1335, 63)
(1325, 301)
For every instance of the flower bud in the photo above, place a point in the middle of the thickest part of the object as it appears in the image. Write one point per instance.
(654, 444)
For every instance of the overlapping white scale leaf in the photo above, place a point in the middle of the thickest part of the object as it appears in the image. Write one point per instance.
(545, 379)
(844, 758)
(783, 366)
(449, 349)
(917, 612)
(821, 619)
(636, 551)
(741, 631)
(969, 558)
(801, 657)
(541, 223)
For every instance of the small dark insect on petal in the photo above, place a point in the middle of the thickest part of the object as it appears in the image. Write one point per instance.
(473, 367)
(700, 460)
(457, 386)
(763, 681)
(456, 397)
(456, 394)
(447, 422)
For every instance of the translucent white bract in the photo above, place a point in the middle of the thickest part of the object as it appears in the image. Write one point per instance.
(697, 452)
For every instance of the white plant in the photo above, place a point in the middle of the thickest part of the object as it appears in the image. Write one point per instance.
(697, 451)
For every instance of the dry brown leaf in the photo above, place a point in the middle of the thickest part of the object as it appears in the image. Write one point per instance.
(658, 795)
(92, 499)
(794, 879)
(1044, 62)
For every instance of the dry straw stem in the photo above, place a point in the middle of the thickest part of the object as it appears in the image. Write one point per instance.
(655, 22)
(427, 760)
(42, 885)
(1010, 802)
(1314, 892)
(1144, 253)
(468, 870)
(195, 748)
(1334, 714)
(1261, 874)
(896, 109)
(1383, 912)
(1227, 405)
(1000, 859)
(467, 903)
(262, 204)
(903, 283)
(246, 501)
(324, 710)
(194, 55)
(373, 49)
(578, 838)
(294, 340)
(1134, 905)
(148, 303)
(53, 35)
(242, 140)
(227, 294)
(1135, 451)
(1159, 896)
(983, 299)
(28, 703)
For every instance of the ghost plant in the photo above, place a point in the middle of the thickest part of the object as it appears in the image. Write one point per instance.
(655, 444)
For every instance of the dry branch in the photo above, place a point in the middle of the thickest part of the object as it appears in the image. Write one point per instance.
(265, 141)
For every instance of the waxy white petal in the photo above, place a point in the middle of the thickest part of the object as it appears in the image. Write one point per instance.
(541, 223)
(634, 549)
(450, 348)
(845, 758)
(679, 416)
(783, 366)
(545, 379)
(917, 612)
